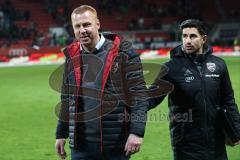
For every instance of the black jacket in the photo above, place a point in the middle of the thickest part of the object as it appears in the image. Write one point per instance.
(117, 102)
(201, 85)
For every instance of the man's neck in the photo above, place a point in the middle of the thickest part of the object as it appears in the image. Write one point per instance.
(200, 51)
(88, 48)
(91, 47)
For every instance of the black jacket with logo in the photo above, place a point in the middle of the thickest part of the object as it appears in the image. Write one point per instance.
(201, 85)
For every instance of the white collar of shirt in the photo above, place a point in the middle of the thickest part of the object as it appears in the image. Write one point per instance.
(99, 44)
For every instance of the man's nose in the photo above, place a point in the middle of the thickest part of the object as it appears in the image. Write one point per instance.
(82, 30)
(188, 40)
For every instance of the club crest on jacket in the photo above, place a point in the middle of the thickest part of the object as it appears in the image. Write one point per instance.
(115, 67)
(211, 67)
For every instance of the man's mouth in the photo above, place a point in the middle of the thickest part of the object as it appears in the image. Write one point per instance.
(189, 47)
(83, 37)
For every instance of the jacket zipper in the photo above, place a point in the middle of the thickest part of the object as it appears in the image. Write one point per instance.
(205, 107)
(101, 125)
(201, 74)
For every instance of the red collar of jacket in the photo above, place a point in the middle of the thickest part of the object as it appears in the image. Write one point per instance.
(74, 54)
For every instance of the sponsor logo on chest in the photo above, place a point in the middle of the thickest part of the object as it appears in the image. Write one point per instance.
(188, 76)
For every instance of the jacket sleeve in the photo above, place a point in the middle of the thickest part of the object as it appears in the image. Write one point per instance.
(227, 97)
(62, 130)
(136, 94)
(160, 88)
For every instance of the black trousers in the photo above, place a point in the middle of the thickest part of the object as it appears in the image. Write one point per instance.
(92, 151)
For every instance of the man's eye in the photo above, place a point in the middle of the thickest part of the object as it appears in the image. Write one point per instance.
(87, 25)
(77, 26)
(193, 36)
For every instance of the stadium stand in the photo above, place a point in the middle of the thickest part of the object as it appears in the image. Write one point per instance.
(31, 26)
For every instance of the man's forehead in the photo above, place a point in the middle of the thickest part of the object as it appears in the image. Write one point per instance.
(83, 14)
(190, 30)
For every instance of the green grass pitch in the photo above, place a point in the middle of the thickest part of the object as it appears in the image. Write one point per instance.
(28, 120)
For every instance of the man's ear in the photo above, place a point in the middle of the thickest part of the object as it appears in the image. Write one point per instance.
(98, 23)
(204, 37)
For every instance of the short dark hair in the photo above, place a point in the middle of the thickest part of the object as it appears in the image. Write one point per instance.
(194, 23)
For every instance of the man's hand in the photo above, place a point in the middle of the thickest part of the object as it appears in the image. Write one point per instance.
(59, 146)
(237, 143)
(133, 144)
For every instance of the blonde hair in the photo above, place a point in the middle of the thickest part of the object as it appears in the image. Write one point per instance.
(83, 8)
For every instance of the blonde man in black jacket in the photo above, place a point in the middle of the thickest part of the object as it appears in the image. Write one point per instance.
(96, 100)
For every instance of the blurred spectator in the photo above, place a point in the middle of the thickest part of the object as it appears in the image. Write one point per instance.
(236, 44)
(2, 22)
(13, 32)
(53, 41)
(25, 34)
(234, 15)
(132, 24)
(26, 15)
(62, 40)
(9, 10)
(106, 6)
(32, 29)
(157, 25)
(58, 9)
(140, 23)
